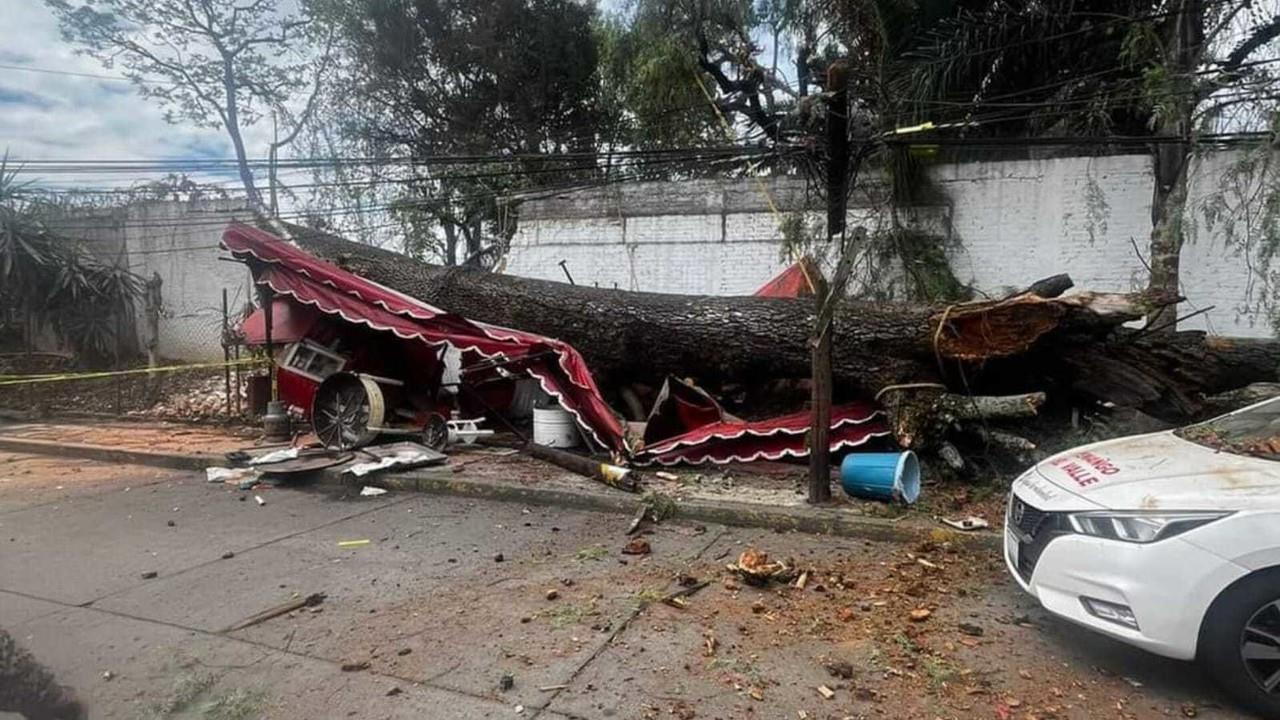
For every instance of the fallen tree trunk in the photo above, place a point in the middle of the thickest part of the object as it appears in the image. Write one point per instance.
(626, 337)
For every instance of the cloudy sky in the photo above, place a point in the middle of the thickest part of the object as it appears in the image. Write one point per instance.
(46, 116)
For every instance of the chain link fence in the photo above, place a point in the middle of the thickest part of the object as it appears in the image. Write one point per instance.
(47, 383)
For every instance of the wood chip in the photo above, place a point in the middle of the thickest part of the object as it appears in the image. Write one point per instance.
(826, 692)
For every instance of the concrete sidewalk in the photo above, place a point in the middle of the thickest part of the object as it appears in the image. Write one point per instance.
(518, 480)
(450, 595)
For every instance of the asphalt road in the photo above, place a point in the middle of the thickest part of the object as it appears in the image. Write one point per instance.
(450, 596)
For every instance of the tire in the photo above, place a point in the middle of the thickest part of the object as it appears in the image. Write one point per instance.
(1241, 613)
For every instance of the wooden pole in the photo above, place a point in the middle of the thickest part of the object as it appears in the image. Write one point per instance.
(820, 404)
(820, 342)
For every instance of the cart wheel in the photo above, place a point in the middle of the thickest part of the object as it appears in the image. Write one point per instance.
(347, 411)
(435, 434)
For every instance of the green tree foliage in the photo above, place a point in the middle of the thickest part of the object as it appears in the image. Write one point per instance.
(48, 279)
(425, 78)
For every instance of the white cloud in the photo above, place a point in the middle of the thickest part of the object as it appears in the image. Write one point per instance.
(57, 117)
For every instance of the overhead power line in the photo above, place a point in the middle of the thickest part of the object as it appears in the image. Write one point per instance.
(72, 73)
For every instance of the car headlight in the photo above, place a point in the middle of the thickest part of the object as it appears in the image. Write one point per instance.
(1140, 527)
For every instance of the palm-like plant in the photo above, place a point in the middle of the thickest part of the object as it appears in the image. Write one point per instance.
(49, 279)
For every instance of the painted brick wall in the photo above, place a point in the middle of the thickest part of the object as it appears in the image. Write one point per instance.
(1011, 222)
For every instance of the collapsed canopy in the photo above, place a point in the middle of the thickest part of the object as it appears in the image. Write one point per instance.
(294, 273)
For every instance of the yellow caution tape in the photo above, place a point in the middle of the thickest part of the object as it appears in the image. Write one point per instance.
(64, 377)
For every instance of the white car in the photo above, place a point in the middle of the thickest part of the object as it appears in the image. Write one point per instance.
(1168, 541)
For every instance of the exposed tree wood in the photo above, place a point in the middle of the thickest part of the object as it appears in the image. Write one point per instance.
(1017, 344)
(619, 478)
(920, 415)
(1241, 397)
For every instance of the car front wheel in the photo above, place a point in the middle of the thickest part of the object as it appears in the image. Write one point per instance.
(1240, 642)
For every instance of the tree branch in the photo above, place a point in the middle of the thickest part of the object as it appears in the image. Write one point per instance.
(1261, 35)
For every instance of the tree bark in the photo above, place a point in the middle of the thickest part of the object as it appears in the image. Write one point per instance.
(1026, 343)
(233, 130)
(1170, 160)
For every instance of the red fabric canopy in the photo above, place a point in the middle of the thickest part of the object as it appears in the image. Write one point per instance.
(796, 281)
(290, 322)
(311, 281)
(687, 425)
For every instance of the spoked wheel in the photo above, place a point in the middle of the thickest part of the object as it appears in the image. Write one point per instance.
(347, 411)
(1240, 641)
(1260, 647)
(435, 434)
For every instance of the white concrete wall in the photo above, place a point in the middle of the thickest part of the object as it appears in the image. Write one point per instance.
(179, 242)
(1011, 222)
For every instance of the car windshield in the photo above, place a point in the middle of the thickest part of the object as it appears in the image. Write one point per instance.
(1255, 431)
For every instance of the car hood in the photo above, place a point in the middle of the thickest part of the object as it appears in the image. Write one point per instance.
(1163, 471)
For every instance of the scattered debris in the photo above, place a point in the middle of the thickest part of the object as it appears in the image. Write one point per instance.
(275, 456)
(498, 557)
(638, 519)
(353, 543)
(553, 594)
(507, 682)
(230, 475)
(258, 499)
(355, 666)
(150, 574)
(826, 692)
(404, 651)
(664, 475)
(970, 629)
(370, 491)
(920, 614)
(551, 688)
(676, 599)
(404, 455)
(172, 524)
(840, 669)
(970, 523)
(756, 694)
(228, 555)
(108, 675)
(394, 691)
(1189, 710)
(311, 600)
(709, 643)
(636, 546)
(755, 568)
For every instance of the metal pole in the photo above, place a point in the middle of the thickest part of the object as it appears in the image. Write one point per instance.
(268, 300)
(119, 388)
(226, 354)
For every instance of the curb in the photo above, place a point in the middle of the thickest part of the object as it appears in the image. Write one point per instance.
(173, 461)
(818, 521)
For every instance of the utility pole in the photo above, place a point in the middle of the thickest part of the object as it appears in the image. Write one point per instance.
(271, 167)
(826, 295)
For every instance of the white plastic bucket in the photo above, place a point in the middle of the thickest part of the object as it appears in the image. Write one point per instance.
(554, 427)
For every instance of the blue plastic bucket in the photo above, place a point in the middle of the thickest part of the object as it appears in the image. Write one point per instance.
(882, 476)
